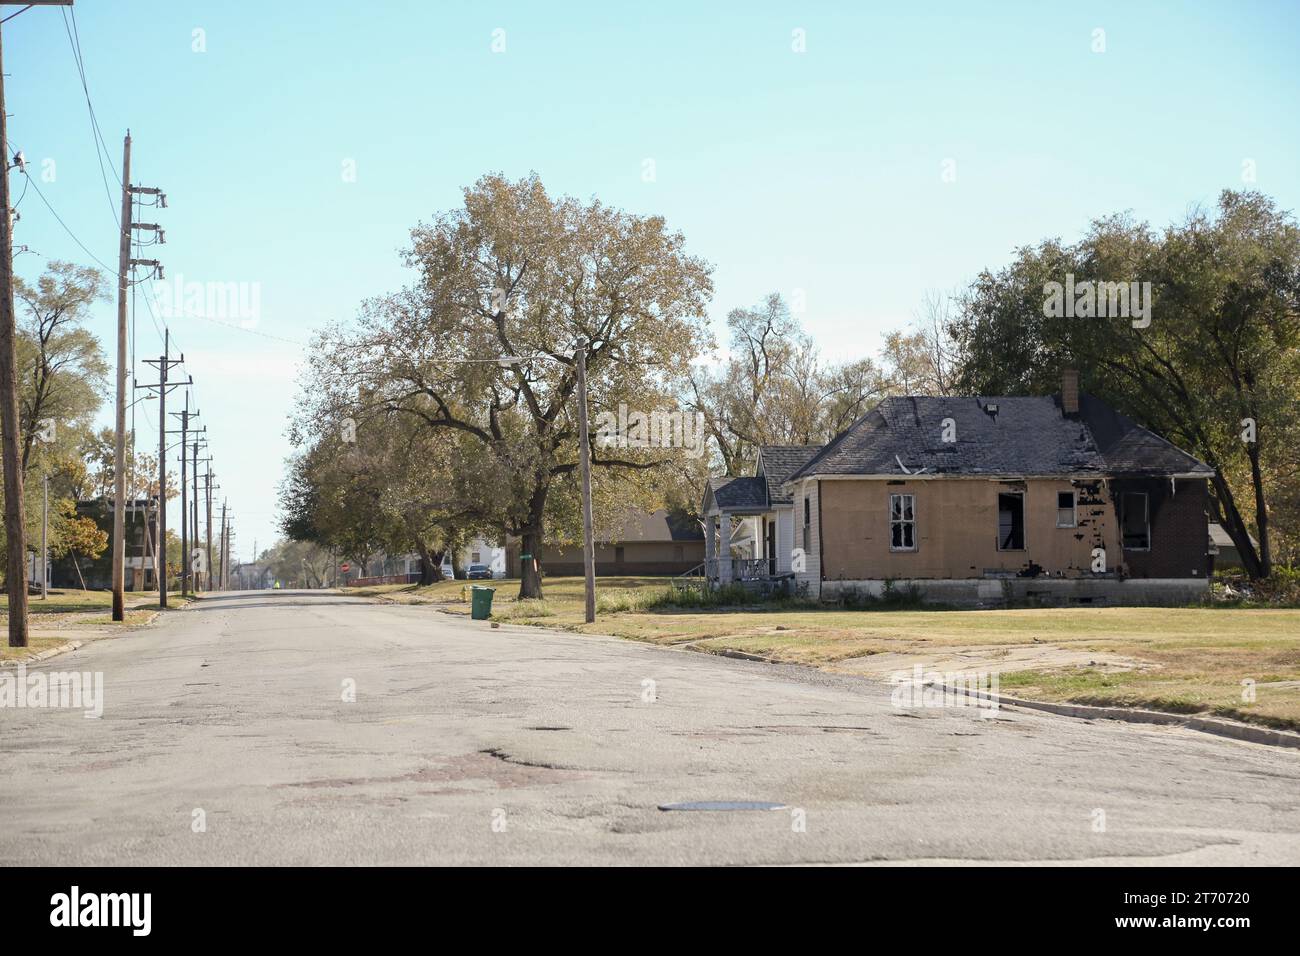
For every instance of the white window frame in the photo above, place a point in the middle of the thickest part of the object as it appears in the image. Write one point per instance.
(1074, 509)
(903, 521)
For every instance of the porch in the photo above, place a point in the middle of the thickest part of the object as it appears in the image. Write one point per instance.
(745, 537)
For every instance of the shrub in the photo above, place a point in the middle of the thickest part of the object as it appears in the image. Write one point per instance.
(1280, 589)
(891, 597)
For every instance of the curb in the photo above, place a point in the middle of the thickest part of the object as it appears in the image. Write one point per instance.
(738, 655)
(1234, 730)
(45, 654)
(1209, 725)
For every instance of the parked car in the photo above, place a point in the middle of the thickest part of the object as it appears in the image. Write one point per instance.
(479, 572)
(447, 571)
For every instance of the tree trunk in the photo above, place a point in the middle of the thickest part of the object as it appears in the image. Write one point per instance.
(530, 577)
(428, 569)
(1233, 524)
(429, 572)
(1261, 510)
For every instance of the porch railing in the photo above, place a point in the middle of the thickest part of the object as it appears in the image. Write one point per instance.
(742, 569)
(694, 579)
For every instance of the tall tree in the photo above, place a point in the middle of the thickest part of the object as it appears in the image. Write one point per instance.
(1214, 366)
(62, 366)
(774, 388)
(482, 344)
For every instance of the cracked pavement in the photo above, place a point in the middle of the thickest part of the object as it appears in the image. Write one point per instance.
(514, 745)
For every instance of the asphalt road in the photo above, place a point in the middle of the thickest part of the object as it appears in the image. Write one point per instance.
(225, 739)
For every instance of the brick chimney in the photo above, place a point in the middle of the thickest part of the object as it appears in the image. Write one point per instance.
(1070, 391)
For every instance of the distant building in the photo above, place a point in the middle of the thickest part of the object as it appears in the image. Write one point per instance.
(77, 570)
(1223, 550)
(657, 542)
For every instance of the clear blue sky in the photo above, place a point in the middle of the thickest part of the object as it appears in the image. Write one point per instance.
(818, 171)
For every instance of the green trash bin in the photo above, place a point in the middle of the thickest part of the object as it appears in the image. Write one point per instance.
(480, 602)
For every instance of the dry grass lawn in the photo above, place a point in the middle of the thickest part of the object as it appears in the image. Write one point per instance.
(76, 616)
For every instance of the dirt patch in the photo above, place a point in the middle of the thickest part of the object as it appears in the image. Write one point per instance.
(989, 658)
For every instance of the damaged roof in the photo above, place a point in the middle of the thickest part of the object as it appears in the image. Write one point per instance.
(1130, 449)
(1001, 436)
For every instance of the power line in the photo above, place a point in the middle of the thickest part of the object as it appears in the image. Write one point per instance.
(66, 228)
(12, 15)
(97, 138)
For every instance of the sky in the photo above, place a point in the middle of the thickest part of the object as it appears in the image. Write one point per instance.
(852, 156)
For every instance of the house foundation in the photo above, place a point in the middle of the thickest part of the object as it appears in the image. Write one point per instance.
(1044, 592)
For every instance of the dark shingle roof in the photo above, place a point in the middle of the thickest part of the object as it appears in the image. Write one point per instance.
(739, 492)
(1129, 449)
(779, 463)
(1025, 436)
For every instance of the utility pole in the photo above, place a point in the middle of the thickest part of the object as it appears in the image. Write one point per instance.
(119, 445)
(189, 521)
(194, 505)
(124, 265)
(221, 578)
(208, 488)
(10, 439)
(184, 416)
(45, 537)
(584, 457)
(164, 363)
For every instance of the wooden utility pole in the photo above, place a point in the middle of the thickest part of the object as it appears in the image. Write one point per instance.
(185, 506)
(164, 363)
(221, 578)
(10, 454)
(119, 445)
(208, 488)
(194, 506)
(584, 457)
(10, 439)
(45, 537)
(124, 265)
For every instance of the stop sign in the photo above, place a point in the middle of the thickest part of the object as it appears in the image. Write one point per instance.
(345, 567)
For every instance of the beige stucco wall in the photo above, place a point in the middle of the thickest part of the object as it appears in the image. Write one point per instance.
(956, 528)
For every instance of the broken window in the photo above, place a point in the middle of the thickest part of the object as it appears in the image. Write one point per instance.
(1065, 516)
(1011, 521)
(902, 523)
(1135, 519)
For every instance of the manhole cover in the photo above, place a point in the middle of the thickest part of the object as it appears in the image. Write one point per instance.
(723, 805)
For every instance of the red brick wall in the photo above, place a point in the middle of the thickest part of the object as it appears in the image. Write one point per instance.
(1179, 528)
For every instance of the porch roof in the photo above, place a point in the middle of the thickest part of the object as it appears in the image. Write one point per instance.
(737, 495)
